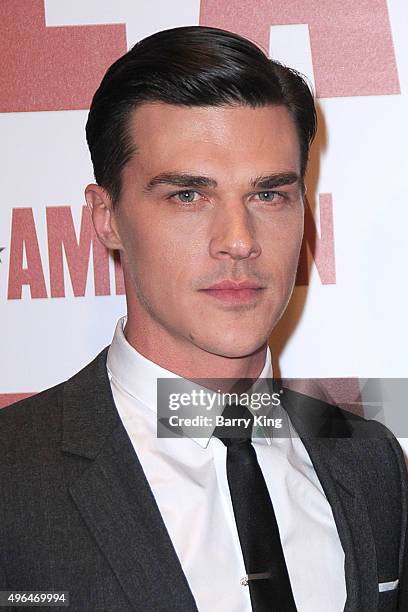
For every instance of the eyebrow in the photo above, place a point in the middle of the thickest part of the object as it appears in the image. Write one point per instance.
(276, 179)
(179, 179)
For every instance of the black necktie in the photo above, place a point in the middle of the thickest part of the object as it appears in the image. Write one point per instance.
(267, 574)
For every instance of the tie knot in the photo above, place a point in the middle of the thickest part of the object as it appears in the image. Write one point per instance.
(236, 426)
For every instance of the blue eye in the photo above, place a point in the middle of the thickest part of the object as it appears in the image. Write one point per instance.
(186, 196)
(267, 196)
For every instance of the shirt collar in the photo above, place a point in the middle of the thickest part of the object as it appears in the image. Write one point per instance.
(137, 376)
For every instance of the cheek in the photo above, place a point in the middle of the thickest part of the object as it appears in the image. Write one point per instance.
(281, 242)
(159, 256)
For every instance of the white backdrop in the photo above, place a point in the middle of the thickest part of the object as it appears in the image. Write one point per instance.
(349, 321)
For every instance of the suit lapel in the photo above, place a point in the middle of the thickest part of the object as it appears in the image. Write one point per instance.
(326, 436)
(115, 500)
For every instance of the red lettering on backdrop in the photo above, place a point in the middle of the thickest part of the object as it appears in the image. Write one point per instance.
(119, 280)
(24, 238)
(56, 68)
(351, 42)
(9, 398)
(61, 240)
(61, 235)
(321, 246)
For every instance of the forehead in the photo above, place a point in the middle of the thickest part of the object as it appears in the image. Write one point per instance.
(234, 137)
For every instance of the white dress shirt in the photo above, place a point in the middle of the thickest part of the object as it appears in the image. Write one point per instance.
(189, 482)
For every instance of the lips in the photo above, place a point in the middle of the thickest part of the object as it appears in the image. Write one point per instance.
(227, 285)
(235, 292)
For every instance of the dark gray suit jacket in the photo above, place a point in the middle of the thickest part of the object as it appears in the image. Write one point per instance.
(77, 514)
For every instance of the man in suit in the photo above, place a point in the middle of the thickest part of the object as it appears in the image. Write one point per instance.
(199, 144)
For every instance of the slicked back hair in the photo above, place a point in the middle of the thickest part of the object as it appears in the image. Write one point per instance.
(189, 66)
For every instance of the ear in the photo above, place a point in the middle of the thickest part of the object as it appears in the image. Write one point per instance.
(103, 217)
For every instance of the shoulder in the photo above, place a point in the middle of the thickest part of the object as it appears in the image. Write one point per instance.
(25, 422)
(374, 434)
(32, 425)
(375, 453)
(364, 445)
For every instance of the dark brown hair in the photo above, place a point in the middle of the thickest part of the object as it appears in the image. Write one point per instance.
(189, 66)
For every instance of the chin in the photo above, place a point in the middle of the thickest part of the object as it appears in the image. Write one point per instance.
(234, 348)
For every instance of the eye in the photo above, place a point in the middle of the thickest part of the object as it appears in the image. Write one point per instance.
(186, 196)
(267, 196)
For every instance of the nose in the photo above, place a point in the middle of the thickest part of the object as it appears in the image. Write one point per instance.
(233, 234)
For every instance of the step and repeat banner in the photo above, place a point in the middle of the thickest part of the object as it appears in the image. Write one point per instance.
(61, 292)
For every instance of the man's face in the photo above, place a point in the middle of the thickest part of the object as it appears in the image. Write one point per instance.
(212, 195)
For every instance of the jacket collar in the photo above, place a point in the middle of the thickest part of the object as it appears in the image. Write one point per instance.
(329, 436)
(114, 497)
